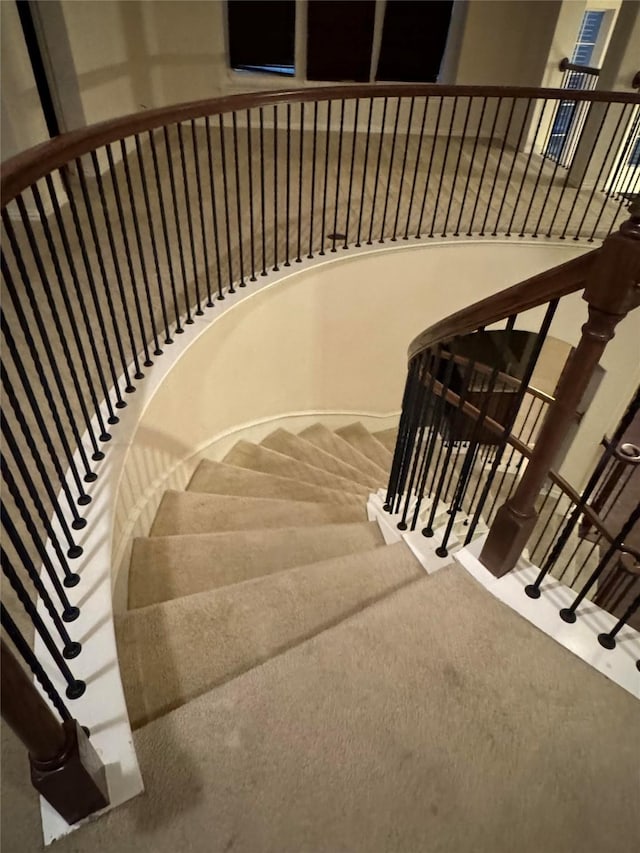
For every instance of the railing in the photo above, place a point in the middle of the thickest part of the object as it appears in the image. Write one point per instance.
(118, 235)
(462, 443)
(570, 116)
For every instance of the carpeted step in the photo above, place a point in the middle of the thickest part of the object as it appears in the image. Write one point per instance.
(219, 478)
(192, 512)
(245, 454)
(296, 447)
(172, 652)
(388, 438)
(165, 567)
(323, 438)
(358, 436)
(377, 734)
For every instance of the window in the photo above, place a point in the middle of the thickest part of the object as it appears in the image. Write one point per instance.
(413, 40)
(262, 35)
(587, 38)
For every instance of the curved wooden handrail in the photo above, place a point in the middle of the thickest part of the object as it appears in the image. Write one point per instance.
(25, 168)
(535, 291)
(524, 450)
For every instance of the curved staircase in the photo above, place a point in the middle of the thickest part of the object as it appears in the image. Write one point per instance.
(297, 685)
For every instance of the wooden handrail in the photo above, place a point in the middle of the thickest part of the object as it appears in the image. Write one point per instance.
(537, 290)
(567, 65)
(25, 168)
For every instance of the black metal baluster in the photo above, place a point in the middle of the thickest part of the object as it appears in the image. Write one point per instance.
(533, 590)
(140, 246)
(234, 123)
(456, 233)
(187, 203)
(568, 614)
(600, 170)
(127, 250)
(406, 444)
(390, 171)
(404, 165)
(152, 234)
(525, 172)
(106, 284)
(608, 640)
(112, 418)
(214, 210)
(75, 687)
(71, 648)
(430, 364)
(463, 139)
(414, 437)
(203, 228)
(438, 408)
(326, 178)
(313, 177)
(543, 163)
(276, 241)
(443, 170)
(74, 550)
(377, 175)
(364, 172)
(441, 551)
(403, 426)
(116, 264)
(35, 357)
(337, 204)
(69, 612)
(252, 227)
(83, 499)
(444, 388)
(516, 154)
(353, 161)
(64, 176)
(53, 254)
(524, 384)
(496, 175)
(287, 215)
(176, 219)
(225, 188)
(300, 183)
(263, 233)
(60, 331)
(434, 144)
(416, 167)
(32, 662)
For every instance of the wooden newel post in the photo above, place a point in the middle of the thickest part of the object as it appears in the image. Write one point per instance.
(65, 768)
(613, 289)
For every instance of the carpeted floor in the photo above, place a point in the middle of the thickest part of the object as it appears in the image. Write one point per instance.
(296, 685)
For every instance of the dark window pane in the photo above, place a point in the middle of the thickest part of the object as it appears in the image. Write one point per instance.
(339, 39)
(413, 40)
(262, 35)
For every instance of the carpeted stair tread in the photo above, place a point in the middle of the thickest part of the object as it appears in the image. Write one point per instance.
(165, 567)
(323, 438)
(358, 436)
(219, 478)
(388, 438)
(296, 447)
(245, 454)
(414, 725)
(193, 512)
(172, 652)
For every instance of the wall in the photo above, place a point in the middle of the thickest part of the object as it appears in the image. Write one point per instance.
(121, 56)
(333, 338)
(23, 123)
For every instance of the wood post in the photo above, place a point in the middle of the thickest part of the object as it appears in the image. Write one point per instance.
(612, 290)
(65, 768)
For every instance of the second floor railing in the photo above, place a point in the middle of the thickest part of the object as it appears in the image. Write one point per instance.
(117, 236)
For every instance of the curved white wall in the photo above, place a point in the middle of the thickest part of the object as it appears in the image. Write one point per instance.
(332, 338)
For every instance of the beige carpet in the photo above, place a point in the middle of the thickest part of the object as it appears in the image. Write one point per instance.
(436, 720)
(297, 685)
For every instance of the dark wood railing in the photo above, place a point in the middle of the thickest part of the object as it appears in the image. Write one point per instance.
(116, 236)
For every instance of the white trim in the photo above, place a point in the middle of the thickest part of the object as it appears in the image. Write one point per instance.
(618, 665)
